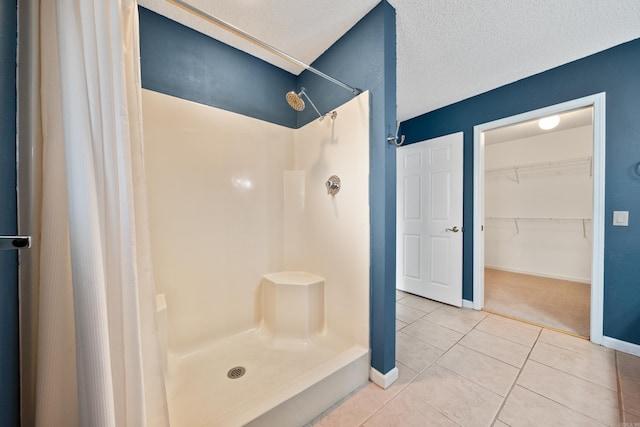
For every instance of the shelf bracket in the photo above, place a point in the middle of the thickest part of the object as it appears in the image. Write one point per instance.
(515, 221)
(515, 171)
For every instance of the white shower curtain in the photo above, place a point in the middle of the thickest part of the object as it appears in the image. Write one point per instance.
(98, 362)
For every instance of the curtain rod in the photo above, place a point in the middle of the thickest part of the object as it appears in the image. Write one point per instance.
(243, 34)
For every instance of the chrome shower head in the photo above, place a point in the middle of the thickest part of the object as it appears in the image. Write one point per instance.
(295, 100)
(297, 103)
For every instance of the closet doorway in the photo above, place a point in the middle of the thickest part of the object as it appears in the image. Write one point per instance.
(540, 203)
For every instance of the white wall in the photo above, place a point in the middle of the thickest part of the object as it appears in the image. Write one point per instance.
(547, 248)
(216, 183)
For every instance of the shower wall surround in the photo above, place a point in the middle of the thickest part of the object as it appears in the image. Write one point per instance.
(181, 62)
(215, 191)
(221, 218)
(335, 237)
(231, 199)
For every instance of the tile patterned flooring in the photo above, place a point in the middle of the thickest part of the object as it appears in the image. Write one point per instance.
(460, 367)
(629, 382)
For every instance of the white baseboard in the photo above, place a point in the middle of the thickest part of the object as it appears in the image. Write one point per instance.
(541, 274)
(384, 380)
(623, 346)
(467, 304)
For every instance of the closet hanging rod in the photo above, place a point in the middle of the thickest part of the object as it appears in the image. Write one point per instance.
(511, 218)
(243, 34)
(515, 220)
(567, 162)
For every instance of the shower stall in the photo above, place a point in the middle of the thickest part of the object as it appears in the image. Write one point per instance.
(260, 248)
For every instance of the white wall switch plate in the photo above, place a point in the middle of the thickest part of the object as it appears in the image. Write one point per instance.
(621, 218)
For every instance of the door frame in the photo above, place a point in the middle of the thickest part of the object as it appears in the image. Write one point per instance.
(596, 101)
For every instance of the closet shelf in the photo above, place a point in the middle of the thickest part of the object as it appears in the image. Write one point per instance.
(537, 218)
(516, 221)
(559, 164)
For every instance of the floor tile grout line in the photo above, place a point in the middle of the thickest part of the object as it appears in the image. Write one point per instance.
(421, 341)
(397, 395)
(487, 355)
(575, 376)
(515, 381)
(504, 338)
(435, 362)
(404, 389)
(473, 382)
(520, 368)
(437, 324)
(580, 338)
(446, 327)
(376, 411)
(562, 404)
(572, 374)
(542, 395)
(496, 336)
(423, 401)
(419, 373)
(619, 383)
(415, 308)
(579, 352)
(444, 352)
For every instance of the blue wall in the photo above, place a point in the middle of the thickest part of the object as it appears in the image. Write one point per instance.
(365, 57)
(9, 356)
(615, 71)
(181, 62)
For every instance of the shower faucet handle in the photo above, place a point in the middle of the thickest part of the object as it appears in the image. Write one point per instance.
(333, 185)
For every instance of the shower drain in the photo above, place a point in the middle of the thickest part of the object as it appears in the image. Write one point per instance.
(235, 373)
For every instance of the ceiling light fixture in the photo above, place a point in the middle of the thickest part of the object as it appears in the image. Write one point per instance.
(548, 123)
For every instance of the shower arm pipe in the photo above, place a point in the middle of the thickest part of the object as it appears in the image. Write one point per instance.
(312, 104)
(242, 34)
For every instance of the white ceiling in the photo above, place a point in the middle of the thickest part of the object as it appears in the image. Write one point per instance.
(447, 50)
(568, 120)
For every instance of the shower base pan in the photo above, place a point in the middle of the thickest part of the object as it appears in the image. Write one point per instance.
(270, 385)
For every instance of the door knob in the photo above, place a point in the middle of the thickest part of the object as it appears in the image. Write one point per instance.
(455, 229)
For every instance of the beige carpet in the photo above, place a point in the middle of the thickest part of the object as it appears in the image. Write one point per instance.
(560, 304)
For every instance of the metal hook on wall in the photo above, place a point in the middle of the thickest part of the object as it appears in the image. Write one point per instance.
(394, 139)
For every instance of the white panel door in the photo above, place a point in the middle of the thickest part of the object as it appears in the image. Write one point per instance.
(429, 219)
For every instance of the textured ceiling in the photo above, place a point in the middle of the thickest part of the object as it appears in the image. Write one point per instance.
(447, 50)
